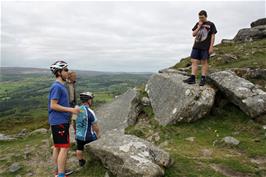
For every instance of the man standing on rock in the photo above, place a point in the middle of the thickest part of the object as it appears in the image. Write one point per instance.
(204, 32)
(59, 114)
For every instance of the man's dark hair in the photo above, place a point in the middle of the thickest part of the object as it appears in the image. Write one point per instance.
(203, 12)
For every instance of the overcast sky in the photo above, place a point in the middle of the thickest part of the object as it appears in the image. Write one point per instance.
(112, 36)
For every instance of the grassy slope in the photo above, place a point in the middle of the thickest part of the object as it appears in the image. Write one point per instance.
(23, 100)
(208, 132)
(187, 156)
(249, 54)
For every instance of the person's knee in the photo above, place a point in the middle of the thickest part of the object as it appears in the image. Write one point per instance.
(78, 153)
(204, 62)
(64, 150)
(194, 62)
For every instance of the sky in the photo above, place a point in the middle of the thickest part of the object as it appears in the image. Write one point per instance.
(114, 36)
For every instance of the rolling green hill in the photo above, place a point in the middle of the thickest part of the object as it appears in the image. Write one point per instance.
(24, 92)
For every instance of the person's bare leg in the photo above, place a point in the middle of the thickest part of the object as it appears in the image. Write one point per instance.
(194, 69)
(204, 69)
(79, 155)
(62, 157)
(55, 156)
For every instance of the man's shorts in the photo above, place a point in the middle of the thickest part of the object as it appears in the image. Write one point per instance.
(61, 135)
(200, 54)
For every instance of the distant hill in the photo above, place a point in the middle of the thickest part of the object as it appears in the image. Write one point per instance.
(29, 70)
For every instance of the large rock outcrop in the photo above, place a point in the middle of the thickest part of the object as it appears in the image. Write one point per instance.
(259, 22)
(241, 92)
(125, 155)
(129, 156)
(120, 113)
(174, 101)
(257, 31)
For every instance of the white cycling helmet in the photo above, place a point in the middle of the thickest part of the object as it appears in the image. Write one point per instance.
(58, 65)
(86, 96)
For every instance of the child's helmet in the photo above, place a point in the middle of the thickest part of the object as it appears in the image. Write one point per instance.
(86, 96)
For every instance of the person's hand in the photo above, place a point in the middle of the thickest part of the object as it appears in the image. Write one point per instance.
(97, 136)
(210, 50)
(75, 110)
(200, 23)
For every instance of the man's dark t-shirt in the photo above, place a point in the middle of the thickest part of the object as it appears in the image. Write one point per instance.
(203, 37)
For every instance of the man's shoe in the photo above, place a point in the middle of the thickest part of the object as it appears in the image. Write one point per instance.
(202, 82)
(68, 172)
(190, 80)
(82, 162)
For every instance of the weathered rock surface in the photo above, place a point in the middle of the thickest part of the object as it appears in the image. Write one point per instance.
(227, 41)
(241, 92)
(182, 71)
(129, 156)
(257, 31)
(39, 131)
(5, 137)
(14, 167)
(120, 113)
(174, 101)
(249, 73)
(258, 22)
(231, 140)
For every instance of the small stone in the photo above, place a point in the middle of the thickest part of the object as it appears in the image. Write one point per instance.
(236, 133)
(206, 152)
(39, 131)
(22, 133)
(191, 139)
(5, 137)
(231, 140)
(106, 174)
(29, 174)
(14, 167)
(145, 101)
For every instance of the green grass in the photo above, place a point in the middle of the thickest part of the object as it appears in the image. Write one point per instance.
(15, 151)
(187, 155)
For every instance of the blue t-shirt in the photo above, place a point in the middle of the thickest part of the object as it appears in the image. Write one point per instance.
(58, 92)
(85, 119)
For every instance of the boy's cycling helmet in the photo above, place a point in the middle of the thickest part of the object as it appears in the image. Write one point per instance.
(58, 65)
(86, 96)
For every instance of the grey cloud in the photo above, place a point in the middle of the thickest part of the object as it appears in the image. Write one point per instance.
(112, 36)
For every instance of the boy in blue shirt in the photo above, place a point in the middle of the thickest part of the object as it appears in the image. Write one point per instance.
(87, 129)
(59, 112)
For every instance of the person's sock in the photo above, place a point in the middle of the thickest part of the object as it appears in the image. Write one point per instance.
(55, 169)
(61, 175)
(82, 162)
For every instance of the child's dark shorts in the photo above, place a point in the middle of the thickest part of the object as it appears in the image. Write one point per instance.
(81, 144)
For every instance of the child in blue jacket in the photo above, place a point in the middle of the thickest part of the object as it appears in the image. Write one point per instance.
(87, 129)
